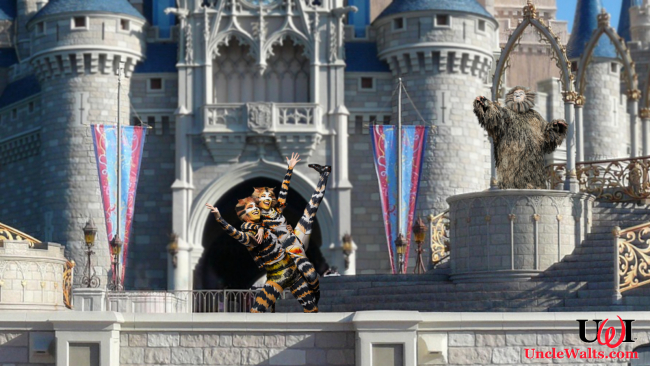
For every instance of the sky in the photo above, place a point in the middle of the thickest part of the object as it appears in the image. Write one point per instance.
(566, 10)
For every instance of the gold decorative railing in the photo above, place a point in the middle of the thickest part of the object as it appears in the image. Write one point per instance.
(632, 257)
(439, 234)
(9, 233)
(67, 283)
(617, 180)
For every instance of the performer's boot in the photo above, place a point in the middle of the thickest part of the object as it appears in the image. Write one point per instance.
(321, 168)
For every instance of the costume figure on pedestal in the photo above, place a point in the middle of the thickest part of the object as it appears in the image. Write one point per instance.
(281, 271)
(520, 138)
(272, 218)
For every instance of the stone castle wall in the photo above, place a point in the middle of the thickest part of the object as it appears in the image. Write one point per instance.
(602, 138)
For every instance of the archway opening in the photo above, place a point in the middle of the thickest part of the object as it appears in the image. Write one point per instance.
(225, 263)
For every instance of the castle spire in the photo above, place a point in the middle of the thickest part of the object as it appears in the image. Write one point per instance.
(624, 22)
(584, 23)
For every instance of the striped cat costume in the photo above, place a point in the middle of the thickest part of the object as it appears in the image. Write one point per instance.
(281, 271)
(292, 241)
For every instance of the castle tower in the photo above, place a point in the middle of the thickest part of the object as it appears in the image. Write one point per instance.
(77, 48)
(443, 51)
(623, 28)
(25, 10)
(639, 13)
(603, 115)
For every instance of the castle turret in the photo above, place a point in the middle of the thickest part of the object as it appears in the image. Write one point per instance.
(602, 110)
(77, 48)
(623, 29)
(639, 13)
(443, 51)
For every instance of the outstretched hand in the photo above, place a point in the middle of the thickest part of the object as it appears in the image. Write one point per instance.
(214, 210)
(560, 125)
(483, 101)
(260, 235)
(293, 161)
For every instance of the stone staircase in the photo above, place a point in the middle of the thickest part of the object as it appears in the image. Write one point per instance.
(582, 281)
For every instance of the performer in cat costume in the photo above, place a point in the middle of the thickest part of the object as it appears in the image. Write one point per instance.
(281, 270)
(520, 138)
(272, 218)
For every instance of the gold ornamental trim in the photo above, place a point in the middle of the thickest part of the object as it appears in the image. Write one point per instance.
(644, 113)
(439, 237)
(633, 94)
(580, 100)
(9, 233)
(569, 96)
(530, 10)
(603, 18)
(633, 256)
(67, 284)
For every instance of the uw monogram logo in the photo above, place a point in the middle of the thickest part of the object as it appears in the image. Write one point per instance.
(609, 335)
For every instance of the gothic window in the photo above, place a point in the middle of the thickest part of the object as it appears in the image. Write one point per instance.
(643, 353)
(236, 77)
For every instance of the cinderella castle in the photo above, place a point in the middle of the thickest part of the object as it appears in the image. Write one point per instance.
(230, 88)
(227, 89)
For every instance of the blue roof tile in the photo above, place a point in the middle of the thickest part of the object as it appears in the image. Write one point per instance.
(19, 90)
(624, 21)
(7, 57)
(7, 9)
(584, 23)
(362, 56)
(404, 6)
(103, 6)
(161, 57)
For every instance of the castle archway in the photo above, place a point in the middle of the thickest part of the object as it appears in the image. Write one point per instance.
(218, 261)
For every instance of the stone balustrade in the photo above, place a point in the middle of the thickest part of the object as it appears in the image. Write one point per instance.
(292, 127)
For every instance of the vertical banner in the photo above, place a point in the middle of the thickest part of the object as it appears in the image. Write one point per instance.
(105, 142)
(385, 154)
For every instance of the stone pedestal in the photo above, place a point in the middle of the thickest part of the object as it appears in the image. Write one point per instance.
(504, 235)
(89, 299)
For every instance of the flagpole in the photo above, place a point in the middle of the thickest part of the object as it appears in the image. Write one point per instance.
(117, 240)
(399, 173)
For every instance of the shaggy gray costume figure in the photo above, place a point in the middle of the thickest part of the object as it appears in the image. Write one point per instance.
(521, 137)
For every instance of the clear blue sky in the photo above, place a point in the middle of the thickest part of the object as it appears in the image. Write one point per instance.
(566, 10)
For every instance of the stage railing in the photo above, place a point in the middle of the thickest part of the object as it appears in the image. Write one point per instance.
(632, 257)
(193, 301)
(616, 180)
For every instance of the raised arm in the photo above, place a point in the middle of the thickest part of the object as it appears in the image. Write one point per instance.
(282, 195)
(490, 116)
(240, 236)
(554, 134)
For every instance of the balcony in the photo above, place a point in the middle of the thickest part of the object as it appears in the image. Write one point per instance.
(228, 127)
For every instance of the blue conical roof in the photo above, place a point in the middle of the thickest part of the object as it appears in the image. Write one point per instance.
(624, 22)
(405, 6)
(54, 7)
(584, 23)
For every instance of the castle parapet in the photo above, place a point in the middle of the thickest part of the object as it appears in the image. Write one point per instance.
(514, 234)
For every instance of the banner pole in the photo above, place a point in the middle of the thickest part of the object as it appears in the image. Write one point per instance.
(120, 69)
(399, 168)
